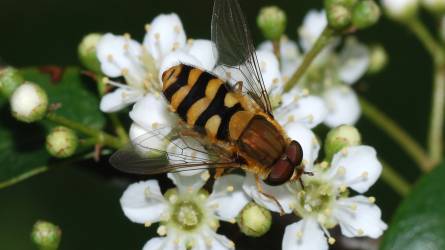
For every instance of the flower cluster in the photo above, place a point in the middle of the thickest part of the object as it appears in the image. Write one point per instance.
(188, 215)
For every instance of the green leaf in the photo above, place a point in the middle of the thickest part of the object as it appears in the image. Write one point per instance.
(419, 223)
(22, 146)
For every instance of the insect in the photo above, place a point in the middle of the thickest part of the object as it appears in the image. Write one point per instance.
(234, 124)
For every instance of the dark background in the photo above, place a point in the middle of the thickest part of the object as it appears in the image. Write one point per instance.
(84, 199)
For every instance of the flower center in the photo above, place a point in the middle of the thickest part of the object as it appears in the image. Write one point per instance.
(316, 200)
(187, 215)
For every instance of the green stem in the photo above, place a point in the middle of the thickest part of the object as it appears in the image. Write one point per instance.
(425, 37)
(435, 133)
(393, 179)
(102, 138)
(41, 169)
(435, 137)
(405, 141)
(318, 46)
(119, 128)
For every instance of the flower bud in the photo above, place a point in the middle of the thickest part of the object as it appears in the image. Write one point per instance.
(272, 22)
(46, 235)
(401, 9)
(61, 142)
(378, 59)
(87, 52)
(339, 138)
(29, 102)
(254, 220)
(346, 3)
(339, 16)
(435, 6)
(365, 14)
(10, 79)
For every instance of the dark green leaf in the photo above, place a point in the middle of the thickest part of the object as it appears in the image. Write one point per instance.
(419, 223)
(22, 146)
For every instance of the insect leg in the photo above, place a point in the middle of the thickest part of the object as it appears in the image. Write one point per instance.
(260, 189)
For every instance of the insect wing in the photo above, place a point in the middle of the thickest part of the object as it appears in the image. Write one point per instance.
(235, 50)
(166, 150)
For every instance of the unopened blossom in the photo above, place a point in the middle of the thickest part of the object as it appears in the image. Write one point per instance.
(400, 9)
(188, 215)
(324, 202)
(29, 102)
(330, 73)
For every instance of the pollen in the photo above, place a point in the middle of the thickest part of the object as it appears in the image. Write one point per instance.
(353, 207)
(147, 192)
(331, 241)
(305, 92)
(344, 152)
(275, 81)
(232, 221)
(230, 188)
(175, 46)
(190, 41)
(324, 164)
(341, 171)
(147, 27)
(299, 234)
(365, 174)
(371, 199)
(230, 244)
(147, 224)
(157, 37)
(360, 232)
(125, 71)
(110, 58)
(127, 36)
(343, 188)
(177, 29)
(162, 230)
(205, 176)
(173, 198)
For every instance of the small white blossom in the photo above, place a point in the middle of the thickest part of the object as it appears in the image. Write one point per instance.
(343, 105)
(324, 201)
(142, 65)
(188, 216)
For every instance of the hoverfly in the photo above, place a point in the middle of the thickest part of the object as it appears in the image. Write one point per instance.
(234, 124)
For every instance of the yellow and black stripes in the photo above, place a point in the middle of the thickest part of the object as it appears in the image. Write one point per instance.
(201, 99)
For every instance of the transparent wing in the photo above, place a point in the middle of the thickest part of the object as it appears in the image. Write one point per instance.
(169, 150)
(235, 49)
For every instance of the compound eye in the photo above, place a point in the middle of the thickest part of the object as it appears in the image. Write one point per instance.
(280, 173)
(294, 153)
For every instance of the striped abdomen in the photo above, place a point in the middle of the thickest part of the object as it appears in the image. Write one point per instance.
(201, 99)
(209, 105)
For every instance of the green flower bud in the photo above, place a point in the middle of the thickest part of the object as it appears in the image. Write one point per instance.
(10, 79)
(29, 102)
(365, 14)
(346, 3)
(339, 16)
(378, 59)
(61, 142)
(339, 138)
(46, 235)
(435, 6)
(254, 220)
(87, 52)
(272, 22)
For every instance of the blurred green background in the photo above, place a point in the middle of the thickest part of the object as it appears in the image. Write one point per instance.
(84, 199)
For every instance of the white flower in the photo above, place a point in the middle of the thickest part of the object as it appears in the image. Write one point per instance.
(400, 9)
(142, 65)
(343, 105)
(324, 201)
(313, 25)
(188, 215)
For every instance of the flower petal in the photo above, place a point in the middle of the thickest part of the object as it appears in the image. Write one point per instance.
(119, 54)
(353, 61)
(308, 142)
(178, 57)
(143, 202)
(210, 240)
(119, 99)
(136, 131)
(152, 111)
(270, 71)
(229, 196)
(304, 235)
(203, 50)
(191, 149)
(164, 243)
(156, 243)
(313, 24)
(358, 216)
(164, 36)
(281, 193)
(290, 56)
(307, 110)
(190, 183)
(343, 106)
(361, 168)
